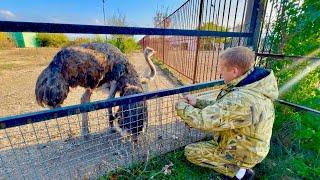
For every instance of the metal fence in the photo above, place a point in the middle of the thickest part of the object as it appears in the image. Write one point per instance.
(48, 144)
(195, 59)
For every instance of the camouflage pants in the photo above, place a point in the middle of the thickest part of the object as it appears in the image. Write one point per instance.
(207, 154)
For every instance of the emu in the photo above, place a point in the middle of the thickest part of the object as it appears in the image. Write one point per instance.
(95, 66)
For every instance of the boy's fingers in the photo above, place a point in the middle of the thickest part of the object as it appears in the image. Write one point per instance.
(184, 100)
(185, 95)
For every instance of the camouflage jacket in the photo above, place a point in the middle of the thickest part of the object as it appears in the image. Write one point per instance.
(243, 114)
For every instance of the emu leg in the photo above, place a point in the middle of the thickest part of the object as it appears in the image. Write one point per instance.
(85, 125)
(112, 94)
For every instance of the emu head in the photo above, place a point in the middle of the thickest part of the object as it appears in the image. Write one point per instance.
(51, 89)
(148, 52)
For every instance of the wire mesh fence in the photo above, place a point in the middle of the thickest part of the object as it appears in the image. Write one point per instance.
(53, 146)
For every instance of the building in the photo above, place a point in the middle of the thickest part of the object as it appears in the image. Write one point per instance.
(24, 39)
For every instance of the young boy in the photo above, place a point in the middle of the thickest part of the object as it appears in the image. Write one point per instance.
(241, 116)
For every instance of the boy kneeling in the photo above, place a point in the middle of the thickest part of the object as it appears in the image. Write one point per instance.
(241, 117)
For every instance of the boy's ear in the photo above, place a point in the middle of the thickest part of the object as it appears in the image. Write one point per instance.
(236, 71)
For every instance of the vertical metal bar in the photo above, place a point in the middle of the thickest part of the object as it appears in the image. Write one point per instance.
(164, 26)
(255, 24)
(194, 15)
(235, 16)
(221, 42)
(214, 41)
(277, 20)
(224, 8)
(204, 61)
(198, 42)
(263, 21)
(218, 15)
(143, 43)
(244, 10)
(225, 40)
(210, 60)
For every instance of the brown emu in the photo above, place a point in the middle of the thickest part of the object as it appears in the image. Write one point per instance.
(95, 66)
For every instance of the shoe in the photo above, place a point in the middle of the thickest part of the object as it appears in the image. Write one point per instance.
(249, 175)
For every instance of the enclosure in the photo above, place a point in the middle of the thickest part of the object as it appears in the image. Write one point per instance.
(48, 143)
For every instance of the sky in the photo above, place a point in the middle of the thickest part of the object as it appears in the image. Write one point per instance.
(138, 12)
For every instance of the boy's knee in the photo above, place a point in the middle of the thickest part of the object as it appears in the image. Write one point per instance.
(191, 154)
(187, 150)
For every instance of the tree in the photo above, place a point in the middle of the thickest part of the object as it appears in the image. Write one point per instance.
(207, 43)
(297, 30)
(161, 19)
(126, 43)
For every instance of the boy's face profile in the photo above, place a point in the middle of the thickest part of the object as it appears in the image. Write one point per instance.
(228, 72)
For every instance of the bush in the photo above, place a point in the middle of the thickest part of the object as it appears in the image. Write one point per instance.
(82, 40)
(79, 40)
(52, 40)
(126, 44)
(6, 41)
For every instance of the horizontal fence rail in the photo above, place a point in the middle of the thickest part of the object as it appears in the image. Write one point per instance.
(283, 56)
(7, 122)
(298, 107)
(13, 121)
(12, 26)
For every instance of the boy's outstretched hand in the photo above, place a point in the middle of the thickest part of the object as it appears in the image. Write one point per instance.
(190, 99)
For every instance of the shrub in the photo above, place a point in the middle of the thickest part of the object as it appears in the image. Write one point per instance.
(6, 41)
(52, 40)
(82, 40)
(79, 40)
(126, 44)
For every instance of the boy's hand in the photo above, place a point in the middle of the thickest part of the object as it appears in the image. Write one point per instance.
(190, 99)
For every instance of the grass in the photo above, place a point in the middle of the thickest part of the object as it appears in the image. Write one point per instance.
(25, 58)
(168, 72)
(8, 66)
(182, 169)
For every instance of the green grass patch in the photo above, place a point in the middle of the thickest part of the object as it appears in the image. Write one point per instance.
(153, 169)
(7, 66)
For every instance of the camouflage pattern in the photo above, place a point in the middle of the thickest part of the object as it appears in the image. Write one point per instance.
(241, 117)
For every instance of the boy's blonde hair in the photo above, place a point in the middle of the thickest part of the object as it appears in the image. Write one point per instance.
(241, 57)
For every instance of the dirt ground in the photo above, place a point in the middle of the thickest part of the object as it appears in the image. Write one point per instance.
(55, 148)
(19, 69)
